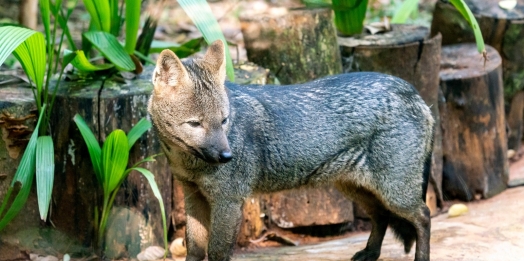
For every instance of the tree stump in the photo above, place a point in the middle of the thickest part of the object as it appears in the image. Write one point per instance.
(503, 30)
(296, 45)
(408, 53)
(474, 134)
(76, 193)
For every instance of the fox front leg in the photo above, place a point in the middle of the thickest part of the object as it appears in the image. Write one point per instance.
(198, 221)
(226, 216)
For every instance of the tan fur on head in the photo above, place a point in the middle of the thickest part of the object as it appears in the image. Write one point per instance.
(215, 60)
(169, 72)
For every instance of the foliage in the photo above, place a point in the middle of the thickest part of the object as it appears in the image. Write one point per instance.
(110, 167)
(410, 6)
(37, 57)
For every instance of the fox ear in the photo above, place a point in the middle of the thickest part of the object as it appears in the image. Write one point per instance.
(215, 59)
(169, 72)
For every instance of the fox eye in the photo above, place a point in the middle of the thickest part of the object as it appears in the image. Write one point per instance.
(193, 124)
(224, 121)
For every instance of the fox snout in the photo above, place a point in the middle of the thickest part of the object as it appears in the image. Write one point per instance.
(216, 156)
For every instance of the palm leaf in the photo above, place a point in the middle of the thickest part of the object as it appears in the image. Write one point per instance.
(115, 154)
(349, 15)
(92, 146)
(404, 11)
(138, 130)
(24, 175)
(32, 55)
(151, 179)
(10, 38)
(99, 11)
(468, 15)
(132, 23)
(108, 45)
(81, 62)
(200, 12)
(45, 168)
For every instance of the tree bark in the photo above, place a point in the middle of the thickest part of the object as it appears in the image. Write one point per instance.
(297, 46)
(503, 30)
(28, 13)
(405, 52)
(474, 131)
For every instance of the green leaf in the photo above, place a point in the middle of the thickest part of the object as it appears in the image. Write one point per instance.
(45, 169)
(200, 12)
(81, 62)
(138, 130)
(188, 48)
(100, 14)
(151, 179)
(468, 15)
(10, 38)
(350, 15)
(24, 176)
(404, 11)
(116, 20)
(132, 22)
(115, 154)
(95, 153)
(108, 45)
(32, 55)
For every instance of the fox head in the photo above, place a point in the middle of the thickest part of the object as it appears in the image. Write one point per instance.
(189, 105)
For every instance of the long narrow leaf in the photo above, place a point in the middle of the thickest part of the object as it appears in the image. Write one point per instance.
(468, 15)
(45, 168)
(81, 62)
(115, 154)
(138, 130)
(45, 13)
(404, 11)
(151, 179)
(10, 38)
(350, 15)
(109, 46)
(95, 152)
(132, 22)
(116, 20)
(32, 55)
(200, 12)
(24, 175)
(100, 14)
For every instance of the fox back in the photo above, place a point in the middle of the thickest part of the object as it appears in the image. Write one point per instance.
(369, 134)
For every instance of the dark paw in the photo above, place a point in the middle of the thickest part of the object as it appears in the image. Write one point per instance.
(366, 255)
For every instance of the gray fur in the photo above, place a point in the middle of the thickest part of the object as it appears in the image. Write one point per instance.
(369, 134)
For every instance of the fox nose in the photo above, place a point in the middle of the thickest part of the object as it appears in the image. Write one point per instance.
(225, 156)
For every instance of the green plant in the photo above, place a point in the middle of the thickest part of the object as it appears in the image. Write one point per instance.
(409, 6)
(110, 168)
(350, 14)
(38, 58)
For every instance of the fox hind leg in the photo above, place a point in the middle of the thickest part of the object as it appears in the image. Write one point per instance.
(379, 219)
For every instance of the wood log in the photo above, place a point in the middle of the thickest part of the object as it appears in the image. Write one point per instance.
(408, 53)
(503, 30)
(76, 192)
(296, 45)
(474, 134)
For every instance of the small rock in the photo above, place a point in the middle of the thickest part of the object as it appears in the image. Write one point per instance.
(178, 248)
(66, 257)
(511, 154)
(457, 210)
(151, 253)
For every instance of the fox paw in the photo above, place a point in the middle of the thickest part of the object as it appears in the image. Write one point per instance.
(366, 255)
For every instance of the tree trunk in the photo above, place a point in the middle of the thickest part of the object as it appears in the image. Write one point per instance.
(297, 46)
(474, 132)
(405, 52)
(28, 13)
(503, 30)
(76, 191)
